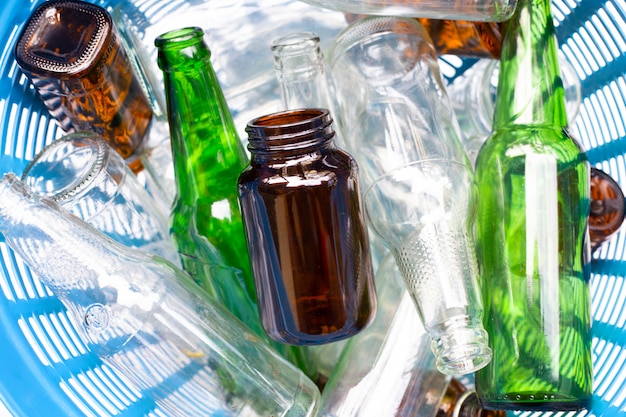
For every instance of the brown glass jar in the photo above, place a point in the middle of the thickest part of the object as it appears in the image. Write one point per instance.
(306, 231)
(71, 52)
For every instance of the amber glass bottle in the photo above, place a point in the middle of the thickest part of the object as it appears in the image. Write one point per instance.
(71, 52)
(306, 230)
(606, 213)
(465, 38)
(460, 37)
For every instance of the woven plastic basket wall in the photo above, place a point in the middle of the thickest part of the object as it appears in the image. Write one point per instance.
(46, 370)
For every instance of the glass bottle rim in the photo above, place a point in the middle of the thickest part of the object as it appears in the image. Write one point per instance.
(289, 130)
(179, 38)
(295, 43)
(95, 161)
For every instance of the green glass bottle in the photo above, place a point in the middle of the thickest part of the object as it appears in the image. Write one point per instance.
(533, 247)
(206, 222)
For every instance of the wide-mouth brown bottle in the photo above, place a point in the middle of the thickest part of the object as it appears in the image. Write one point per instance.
(306, 230)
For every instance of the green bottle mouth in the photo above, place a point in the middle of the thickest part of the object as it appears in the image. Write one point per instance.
(180, 38)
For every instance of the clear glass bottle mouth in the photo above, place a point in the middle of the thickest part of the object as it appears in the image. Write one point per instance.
(68, 166)
(295, 43)
(462, 350)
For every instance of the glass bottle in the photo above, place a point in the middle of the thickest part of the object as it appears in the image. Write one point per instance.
(300, 71)
(71, 52)
(607, 209)
(206, 222)
(420, 195)
(146, 319)
(306, 230)
(388, 369)
(483, 10)
(473, 95)
(533, 242)
(83, 174)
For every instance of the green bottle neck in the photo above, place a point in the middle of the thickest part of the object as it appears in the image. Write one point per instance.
(205, 142)
(530, 90)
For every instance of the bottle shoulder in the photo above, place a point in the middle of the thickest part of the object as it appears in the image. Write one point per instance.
(311, 169)
(525, 141)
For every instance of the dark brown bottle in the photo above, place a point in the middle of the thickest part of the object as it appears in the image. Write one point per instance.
(71, 52)
(306, 230)
(460, 37)
(606, 213)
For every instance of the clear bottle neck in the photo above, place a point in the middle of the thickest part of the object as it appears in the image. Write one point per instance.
(300, 71)
(289, 133)
(530, 89)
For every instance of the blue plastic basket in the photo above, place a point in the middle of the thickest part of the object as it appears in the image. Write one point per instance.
(46, 371)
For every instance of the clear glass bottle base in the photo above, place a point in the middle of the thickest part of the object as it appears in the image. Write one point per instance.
(461, 351)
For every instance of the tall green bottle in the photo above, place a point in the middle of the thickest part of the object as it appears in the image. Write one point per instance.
(533, 247)
(208, 155)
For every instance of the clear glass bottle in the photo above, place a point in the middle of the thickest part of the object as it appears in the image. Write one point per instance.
(388, 370)
(300, 71)
(419, 194)
(71, 52)
(482, 11)
(533, 240)
(83, 174)
(302, 78)
(306, 230)
(206, 222)
(146, 319)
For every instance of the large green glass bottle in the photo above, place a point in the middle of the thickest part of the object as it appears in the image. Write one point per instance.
(533, 248)
(208, 155)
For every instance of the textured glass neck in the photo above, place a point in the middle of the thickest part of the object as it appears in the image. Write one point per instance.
(530, 90)
(201, 126)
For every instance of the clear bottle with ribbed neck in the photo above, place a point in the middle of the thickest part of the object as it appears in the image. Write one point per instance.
(306, 230)
(208, 155)
(533, 181)
(146, 319)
